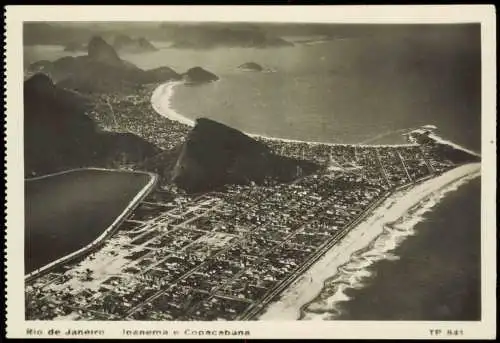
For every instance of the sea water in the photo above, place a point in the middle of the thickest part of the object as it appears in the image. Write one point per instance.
(425, 266)
(351, 90)
(437, 273)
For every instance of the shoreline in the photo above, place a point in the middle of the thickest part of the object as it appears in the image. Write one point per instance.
(161, 101)
(302, 299)
(162, 104)
(102, 238)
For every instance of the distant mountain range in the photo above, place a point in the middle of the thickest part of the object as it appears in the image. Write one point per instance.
(183, 36)
(199, 35)
(121, 43)
(124, 43)
(219, 37)
(102, 70)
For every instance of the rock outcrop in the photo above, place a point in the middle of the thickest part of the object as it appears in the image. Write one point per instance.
(215, 155)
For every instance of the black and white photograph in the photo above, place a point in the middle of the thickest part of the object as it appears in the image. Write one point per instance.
(252, 171)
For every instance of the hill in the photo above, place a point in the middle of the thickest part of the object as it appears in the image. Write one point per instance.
(59, 135)
(197, 75)
(215, 155)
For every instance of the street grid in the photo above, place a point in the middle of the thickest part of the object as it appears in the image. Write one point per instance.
(225, 255)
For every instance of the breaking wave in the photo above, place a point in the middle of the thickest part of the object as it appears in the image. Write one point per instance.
(355, 273)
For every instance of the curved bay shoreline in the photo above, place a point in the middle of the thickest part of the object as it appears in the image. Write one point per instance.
(303, 299)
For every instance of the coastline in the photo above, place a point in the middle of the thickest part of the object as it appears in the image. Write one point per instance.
(101, 239)
(161, 101)
(454, 145)
(301, 300)
(392, 220)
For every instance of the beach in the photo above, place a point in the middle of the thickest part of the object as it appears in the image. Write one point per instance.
(161, 102)
(369, 239)
(373, 239)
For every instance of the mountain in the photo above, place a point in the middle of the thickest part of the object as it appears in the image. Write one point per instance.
(59, 135)
(101, 70)
(215, 155)
(209, 37)
(124, 43)
(197, 75)
(100, 51)
(251, 66)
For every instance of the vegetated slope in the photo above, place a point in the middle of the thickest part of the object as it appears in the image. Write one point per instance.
(59, 135)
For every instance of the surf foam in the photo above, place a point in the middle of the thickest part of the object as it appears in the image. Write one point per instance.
(355, 273)
(161, 100)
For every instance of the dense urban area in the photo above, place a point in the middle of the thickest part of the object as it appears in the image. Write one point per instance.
(118, 112)
(222, 255)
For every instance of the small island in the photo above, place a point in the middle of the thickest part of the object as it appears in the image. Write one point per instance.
(198, 75)
(250, 66)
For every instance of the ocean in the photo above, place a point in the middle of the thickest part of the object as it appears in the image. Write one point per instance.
(436, 275)
(349, 90)
(363, 89)
(426, 266)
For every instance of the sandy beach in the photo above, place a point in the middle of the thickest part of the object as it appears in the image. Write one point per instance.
(161, 101)
(345, 264)
(370, 241)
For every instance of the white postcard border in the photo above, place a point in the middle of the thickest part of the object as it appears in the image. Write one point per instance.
(18, 327)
